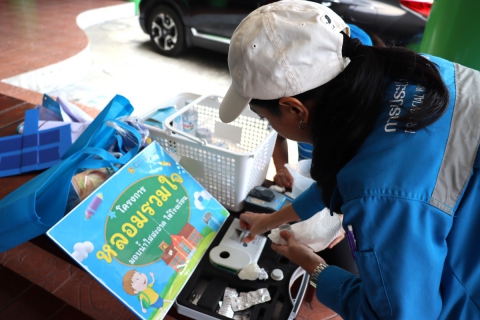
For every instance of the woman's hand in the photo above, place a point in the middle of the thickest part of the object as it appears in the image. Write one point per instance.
(336, 240)
(298, 253)
(283, 178)
(257, 223)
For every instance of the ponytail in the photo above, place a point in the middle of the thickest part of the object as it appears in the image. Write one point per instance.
(350, 104)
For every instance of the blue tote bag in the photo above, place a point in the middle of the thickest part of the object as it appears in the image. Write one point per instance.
(36, 206)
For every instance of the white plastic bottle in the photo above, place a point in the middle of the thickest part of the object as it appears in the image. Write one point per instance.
(190, 121)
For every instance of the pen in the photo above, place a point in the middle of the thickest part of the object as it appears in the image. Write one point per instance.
(351, 241)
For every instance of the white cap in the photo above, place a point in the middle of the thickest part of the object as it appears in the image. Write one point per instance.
(280, 50)
(277, 274)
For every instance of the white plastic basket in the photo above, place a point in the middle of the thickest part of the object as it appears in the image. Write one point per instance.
(228, 174)
(179, 101)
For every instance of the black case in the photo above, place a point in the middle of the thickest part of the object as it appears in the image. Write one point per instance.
(210, 282)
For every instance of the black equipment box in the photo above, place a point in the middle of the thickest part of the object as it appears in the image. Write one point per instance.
(200, 297)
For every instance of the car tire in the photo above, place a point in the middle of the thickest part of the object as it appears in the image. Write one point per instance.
(167, 31)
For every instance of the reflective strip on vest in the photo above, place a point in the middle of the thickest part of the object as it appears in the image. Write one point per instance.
(463, 141)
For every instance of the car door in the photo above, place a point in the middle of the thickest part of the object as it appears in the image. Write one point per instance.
(219, 17)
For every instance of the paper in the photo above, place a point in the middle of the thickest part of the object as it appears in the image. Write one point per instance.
(75, 113)
(57, 113)
(75, 127)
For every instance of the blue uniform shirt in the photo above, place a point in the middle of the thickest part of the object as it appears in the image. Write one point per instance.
(413, 199)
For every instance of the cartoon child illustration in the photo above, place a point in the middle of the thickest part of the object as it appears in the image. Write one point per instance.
(136, 283)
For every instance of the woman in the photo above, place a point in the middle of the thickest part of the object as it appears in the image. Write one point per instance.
(282, 177)
(395, 138)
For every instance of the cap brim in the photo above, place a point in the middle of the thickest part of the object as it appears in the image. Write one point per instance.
(232, 105)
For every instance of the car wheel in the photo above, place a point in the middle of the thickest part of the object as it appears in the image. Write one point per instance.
(167, 31)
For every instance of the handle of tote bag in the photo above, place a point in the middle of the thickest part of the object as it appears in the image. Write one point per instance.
(106, 158)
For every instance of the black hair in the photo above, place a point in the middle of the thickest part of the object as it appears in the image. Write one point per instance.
(347, 107)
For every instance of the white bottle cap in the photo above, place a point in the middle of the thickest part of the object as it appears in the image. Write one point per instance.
(277, 275)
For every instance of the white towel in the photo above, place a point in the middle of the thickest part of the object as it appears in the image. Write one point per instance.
(317, 232)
